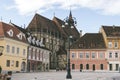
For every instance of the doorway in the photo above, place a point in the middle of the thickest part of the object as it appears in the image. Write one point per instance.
(93, 67)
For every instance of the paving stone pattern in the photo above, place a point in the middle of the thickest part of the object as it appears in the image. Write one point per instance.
(61, 75)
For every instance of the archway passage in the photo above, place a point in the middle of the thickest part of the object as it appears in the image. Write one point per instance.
(23, 66)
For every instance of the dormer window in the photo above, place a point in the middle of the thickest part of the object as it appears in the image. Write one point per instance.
(37, 42)
(19, 36)
(10, 32)
(33, 40)
(29, 39)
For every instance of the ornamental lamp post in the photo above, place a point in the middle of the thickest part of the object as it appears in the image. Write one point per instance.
(70, 23)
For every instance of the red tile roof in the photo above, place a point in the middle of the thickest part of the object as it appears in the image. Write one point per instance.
(4, 28)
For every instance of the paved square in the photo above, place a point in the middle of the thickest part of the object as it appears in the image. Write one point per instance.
(61, 75)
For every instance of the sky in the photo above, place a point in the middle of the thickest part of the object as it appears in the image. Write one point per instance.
(90, 14)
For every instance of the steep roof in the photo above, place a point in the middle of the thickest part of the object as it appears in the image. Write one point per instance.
(59, 22)
(67, 29)
(39, 23)
(112, 31)
(20, 28)
(90, 41)
(25, 32)
(5, 30)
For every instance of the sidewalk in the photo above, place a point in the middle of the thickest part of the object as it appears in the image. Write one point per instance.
(61, 75)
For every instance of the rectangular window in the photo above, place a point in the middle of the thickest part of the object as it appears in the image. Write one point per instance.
(117, 67)
(13, 49)
(17, 50)
(73, 55)
(8, 49)
(87, 55)
(109, 44)
(12, 63)
(8, 63)
(116, 55)
(116, 44)
(17, 63)
(81, 55)
(93, 55)
(110, 67)
(110, 55)
(101, 55)
(24, 52)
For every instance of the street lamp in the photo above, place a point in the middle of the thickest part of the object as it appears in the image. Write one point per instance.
(1, 50)
(69, 22)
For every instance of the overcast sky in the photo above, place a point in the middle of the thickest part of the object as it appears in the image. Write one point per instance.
(90, 14)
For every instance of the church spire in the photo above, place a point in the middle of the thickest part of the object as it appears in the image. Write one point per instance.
(70, 15)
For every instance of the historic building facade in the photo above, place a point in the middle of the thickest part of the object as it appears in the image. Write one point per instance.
(89, 53)
(111, 36)
(14, 56)
(53, 36)
(38, 56)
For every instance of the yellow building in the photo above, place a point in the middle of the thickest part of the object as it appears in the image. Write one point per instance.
(14, 57)
(111, 36)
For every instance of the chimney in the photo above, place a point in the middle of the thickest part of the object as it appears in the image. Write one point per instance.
(80, 33)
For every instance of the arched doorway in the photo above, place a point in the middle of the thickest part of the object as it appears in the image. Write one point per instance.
(23, 66)
(81, 66)
(93, 67)
(101, 66)
(87, 66)
(73, 66)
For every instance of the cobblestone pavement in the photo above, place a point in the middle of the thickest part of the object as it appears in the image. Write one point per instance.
(61, 75)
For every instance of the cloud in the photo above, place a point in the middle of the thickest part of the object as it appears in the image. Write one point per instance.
(106, 7)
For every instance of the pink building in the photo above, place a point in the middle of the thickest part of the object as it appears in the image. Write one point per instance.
(88, 53)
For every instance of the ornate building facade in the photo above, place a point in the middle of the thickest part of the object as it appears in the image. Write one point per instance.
(14, 56)
(89, 53)
(53, 36)
(111, 36)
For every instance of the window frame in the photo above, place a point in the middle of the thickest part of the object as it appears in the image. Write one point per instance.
(7, 63)
(87, 55)
(110, 44)
(8, 48)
